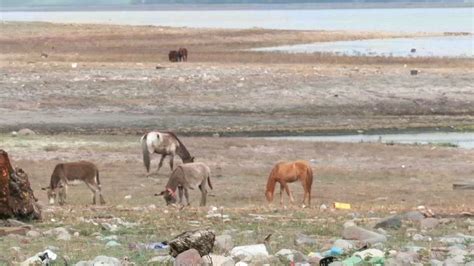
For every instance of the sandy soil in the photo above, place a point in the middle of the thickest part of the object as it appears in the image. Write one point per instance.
(377, 179)
(116, 87)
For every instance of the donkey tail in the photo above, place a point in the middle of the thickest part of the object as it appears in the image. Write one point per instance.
(209, 181)
(98, 179)
(146, 153)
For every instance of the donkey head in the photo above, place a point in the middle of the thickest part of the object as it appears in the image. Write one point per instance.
(169, 195)
(53, 193)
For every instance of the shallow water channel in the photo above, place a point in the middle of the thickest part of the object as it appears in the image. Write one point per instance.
(460, 139)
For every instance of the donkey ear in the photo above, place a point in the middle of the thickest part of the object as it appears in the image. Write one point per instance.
(160, 194)
(192, 159)
(44, 188)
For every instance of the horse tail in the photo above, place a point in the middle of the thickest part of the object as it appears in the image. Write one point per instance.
(209, 181)
(309, 172)
(146, 153)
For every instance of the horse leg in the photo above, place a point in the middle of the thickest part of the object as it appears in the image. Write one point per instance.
(203, 194)
(281, 193)
(289, 192)
(171, 161)
(161, 162)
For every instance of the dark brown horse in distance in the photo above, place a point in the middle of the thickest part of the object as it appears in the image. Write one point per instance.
(173, 56)
(183, 54)
(289, 172)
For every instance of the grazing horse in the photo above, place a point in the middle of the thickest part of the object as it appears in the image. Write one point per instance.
(184, 177)
(289, 172)
(173, 56)
(164, 143)
(81, 171)
(183, 54)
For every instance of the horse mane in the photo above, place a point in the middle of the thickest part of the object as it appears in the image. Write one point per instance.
(271, 184)
(183, 152)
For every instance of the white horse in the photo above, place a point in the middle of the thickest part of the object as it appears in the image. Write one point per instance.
(164, 143)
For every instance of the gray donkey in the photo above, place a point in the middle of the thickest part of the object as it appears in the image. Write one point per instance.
(184, 177)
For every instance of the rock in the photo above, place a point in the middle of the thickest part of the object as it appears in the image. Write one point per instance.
(343, 244)
(349, 224)
(41, 258)
(392, 222)
(363, 235)
(304, 240)
(417, 237)
(456, 239)
(457, 251)
(60, 232)
(369, 253)
(218, 260)
(26, 132)
(413, 216)
(323, 207)
(223, 243)
(33, 234)
(112, 243)
(161, 260)
(429, 223)
(200, 240)
(406, 258)
(436, 263)
(14, 134)
(290, 255)
(249, 252)
(189, 257)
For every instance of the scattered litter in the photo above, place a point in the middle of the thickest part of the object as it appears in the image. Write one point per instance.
(342, 206)
(44, 258)
(128, 197)
(149, 246)
(74, 65)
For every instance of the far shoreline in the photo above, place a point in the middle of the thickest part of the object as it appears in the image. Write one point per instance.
(217, 7)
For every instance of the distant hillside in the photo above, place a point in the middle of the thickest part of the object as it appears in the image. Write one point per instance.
(134, 4)
(83, 3)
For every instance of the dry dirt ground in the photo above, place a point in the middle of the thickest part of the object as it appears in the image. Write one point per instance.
(117, 91)
(377, 179)
(222, 88)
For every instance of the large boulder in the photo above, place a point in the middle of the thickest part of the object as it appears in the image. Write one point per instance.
(392, 222)
(200, 240)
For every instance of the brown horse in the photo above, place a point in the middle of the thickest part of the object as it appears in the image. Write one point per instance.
(173, 56)
(183, 54)
(289, 172)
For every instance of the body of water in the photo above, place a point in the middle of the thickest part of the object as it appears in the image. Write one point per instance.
(369, 19)
(443, 46)
(462, 140)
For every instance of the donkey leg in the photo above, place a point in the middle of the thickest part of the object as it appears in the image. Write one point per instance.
(289, 193)
(94, 192)
(186, 194)
(203, 195)
(180, 193)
